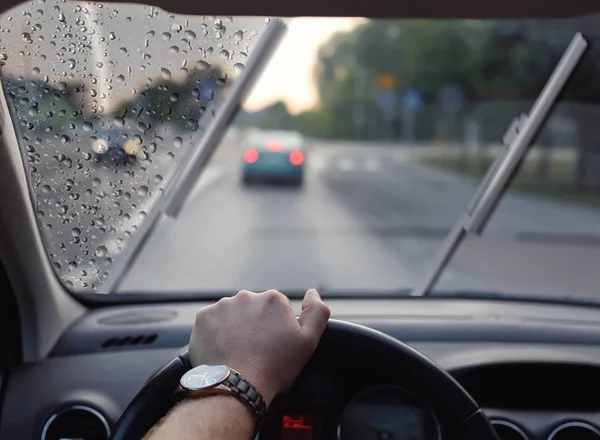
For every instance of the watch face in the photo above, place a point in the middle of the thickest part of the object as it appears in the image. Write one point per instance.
(204, 376)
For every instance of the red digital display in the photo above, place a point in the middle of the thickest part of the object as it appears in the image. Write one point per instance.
(297, 427)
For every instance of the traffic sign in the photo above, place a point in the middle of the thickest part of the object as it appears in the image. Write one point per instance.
(386, 81)
(412, 99)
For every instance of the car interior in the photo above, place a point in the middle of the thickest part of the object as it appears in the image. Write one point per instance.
(96, 366)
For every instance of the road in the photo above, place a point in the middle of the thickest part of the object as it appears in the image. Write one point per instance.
(369, 219)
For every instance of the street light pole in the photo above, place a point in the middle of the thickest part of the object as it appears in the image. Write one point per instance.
(359, 101)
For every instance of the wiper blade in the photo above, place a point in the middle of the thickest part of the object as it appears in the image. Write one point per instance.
(517, 141)
(169, 205)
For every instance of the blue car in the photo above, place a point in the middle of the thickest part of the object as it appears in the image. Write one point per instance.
(274, 156)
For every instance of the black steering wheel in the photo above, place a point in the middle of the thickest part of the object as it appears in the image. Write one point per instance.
(461, 415)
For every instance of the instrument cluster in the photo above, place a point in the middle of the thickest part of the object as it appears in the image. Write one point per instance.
(332, 410)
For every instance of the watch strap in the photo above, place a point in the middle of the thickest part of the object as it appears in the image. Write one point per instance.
(245, 391)
(237, 386)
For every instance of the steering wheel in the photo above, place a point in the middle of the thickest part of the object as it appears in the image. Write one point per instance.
(461, 415)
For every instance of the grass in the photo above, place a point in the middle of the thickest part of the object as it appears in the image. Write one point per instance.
(557, 183)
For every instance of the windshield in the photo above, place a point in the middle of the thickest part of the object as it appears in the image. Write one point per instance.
(353, 158)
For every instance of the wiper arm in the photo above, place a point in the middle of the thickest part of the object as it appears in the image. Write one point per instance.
(184, 180)
(517, 142)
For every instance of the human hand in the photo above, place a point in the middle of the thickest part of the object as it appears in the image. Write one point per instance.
(258, 335)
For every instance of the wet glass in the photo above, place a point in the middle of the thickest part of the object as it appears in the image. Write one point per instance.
(107, 100)
(396, 120)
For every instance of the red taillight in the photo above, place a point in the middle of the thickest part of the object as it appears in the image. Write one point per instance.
(251, 155)
(296, 157)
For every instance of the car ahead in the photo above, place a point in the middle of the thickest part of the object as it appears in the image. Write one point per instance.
(274, 156)
(115, 144)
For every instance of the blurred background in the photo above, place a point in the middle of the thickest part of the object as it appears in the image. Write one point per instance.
(384, 128)
(455, 85)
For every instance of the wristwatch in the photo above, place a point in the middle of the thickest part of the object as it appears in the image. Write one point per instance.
(212, 379)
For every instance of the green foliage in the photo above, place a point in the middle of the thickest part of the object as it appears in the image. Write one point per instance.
(273, 117)
(39, 105)
(502, 60)
(179, 103)
(314, 123)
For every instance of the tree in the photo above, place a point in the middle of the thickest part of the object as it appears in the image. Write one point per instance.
(273, 117)
(421, 54)
(41, 107)
(181, 103)
(501, 66)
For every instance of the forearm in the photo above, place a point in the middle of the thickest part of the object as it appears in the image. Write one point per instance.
(214, 418)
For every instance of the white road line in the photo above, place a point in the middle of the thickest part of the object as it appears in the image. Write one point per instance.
(372, 165)
(208, 176)
(317, 163)
(346, 165)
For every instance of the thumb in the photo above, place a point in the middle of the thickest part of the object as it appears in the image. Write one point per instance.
(314, 316)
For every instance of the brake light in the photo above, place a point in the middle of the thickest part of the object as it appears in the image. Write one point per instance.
(251, 155)
(274, 145)
(296, 157)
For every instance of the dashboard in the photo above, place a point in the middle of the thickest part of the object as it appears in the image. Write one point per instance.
(534, 369)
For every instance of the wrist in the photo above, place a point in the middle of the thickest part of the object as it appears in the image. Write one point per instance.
(185, 415)
(227, 402)
(208, 380)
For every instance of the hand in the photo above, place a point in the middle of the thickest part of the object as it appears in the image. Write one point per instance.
(258, 335)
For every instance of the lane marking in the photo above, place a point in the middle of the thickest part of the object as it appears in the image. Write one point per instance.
(346, 165)
(401, 156)
(372, 165)
(316, 163)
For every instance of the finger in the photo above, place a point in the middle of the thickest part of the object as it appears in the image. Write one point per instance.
(245, 296)
(314, 316)
(245, 293)
(277, 298)
(287, 301)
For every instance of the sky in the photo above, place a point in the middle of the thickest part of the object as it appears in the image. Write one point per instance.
(289, 75)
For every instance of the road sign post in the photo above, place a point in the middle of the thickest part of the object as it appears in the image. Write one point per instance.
(451, 99)
(411, 101)
(387, 104)
(386, 99)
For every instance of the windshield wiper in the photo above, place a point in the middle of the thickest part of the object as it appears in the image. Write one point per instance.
(517, 142)
(169, 205)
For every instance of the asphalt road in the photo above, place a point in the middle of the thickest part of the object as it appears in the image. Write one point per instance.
(369, 219)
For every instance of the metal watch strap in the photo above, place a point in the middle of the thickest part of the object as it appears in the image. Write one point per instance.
(245, 391)
(241, 389)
